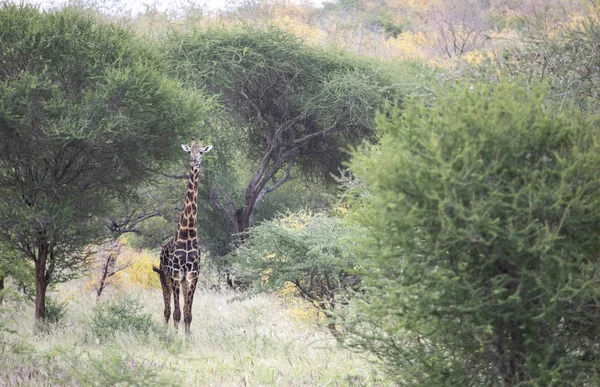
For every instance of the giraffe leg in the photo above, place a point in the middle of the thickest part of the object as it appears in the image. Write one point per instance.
(167, 289)
(189, 287)
(166, 282)
(176, 308)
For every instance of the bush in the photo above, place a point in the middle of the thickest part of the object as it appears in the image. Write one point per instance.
(310, 252)
(55, 311)
(124, 315)
(483, 218)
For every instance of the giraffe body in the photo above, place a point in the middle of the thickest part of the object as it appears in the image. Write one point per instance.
(180, 257)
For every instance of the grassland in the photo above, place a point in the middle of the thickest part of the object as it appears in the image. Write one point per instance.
(252, 342)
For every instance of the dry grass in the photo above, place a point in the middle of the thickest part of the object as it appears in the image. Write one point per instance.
(252, 342)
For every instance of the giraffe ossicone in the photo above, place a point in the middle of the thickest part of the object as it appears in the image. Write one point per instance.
(180, 257)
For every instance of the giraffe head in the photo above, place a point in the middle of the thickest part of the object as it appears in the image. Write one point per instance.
(196, 150)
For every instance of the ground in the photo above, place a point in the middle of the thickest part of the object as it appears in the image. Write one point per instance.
(250, 342)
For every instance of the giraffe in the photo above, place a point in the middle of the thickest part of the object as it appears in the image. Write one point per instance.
(180, 257)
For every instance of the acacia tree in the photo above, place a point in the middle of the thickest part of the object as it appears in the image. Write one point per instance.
(86, 114)
(293, 107)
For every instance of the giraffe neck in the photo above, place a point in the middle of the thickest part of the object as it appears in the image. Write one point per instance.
(187, 220)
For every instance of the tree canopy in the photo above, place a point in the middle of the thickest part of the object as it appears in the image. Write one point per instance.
(293, 108)
(86, 113)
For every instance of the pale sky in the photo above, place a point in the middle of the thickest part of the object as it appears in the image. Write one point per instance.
(137, 6)
(134, 7)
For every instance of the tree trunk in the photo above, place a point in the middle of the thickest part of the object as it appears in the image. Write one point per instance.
(40, 286)
(335, 333)
(104, 276)
(243, 219)
(1, 288)
(112, 251)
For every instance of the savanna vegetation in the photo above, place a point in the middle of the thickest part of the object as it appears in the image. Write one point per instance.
(400, 193)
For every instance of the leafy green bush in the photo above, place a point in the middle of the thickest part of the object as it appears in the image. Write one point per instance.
(125, 315)
(55, 311)
(483, 223)
(311, 252)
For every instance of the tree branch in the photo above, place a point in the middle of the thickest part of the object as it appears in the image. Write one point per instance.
(272, 188)
(129, 223)
(306, 292)
(176, 177)
(288, 124)
(118, 269)
(256, 108)
(277, 184)
(227, 212)
(303, 140)
(269, 87)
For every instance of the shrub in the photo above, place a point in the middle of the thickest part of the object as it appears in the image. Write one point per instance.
(125, 315)
(311, 252)
(55, 311)
(140, 269)
(483, 218)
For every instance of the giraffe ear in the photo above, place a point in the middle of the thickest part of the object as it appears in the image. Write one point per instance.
(186, 148)
(207, 149)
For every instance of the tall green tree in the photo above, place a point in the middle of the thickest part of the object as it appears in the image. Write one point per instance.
(293, 108)
(86, 114)
(483, 223)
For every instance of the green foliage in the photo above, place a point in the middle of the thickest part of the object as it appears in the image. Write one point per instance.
(483, 220)
(283, 80)
(125, 315)
(153, 233)
(565, 58)
(384, 19)
(291, 247)
(12, 265)
(312, 252)
(354, 15)
(293, 108)
(293, 196)
(87, 113)
(56, 311)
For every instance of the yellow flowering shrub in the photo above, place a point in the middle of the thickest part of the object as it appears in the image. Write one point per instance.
(139, 271)
(297, 307)
(408, 45)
